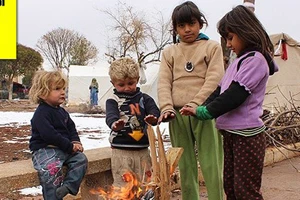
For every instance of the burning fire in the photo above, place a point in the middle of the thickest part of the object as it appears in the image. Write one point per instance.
(133, 190)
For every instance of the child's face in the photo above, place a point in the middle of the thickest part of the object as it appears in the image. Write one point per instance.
(234, 42)
(127, 85)
(188, 32)
(55, 97)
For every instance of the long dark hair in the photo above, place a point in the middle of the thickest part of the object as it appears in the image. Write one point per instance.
(184, 13)
(243, 22)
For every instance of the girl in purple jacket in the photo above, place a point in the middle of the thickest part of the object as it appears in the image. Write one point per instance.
(237, 103)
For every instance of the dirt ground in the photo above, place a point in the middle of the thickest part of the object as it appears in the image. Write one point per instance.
(10, 152)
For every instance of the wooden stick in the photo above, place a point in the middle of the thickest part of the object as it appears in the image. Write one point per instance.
(173, 157)
(163, 165)
(164, 172)
(153, 154)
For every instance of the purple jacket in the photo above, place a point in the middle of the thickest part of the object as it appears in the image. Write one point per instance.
(253, 74)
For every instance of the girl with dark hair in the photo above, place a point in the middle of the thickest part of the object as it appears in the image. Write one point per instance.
(189, 72)
(237, 103)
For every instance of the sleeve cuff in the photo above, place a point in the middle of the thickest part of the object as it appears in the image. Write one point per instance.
(202, 113)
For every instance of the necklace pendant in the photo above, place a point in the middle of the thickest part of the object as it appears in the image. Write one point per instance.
(189, 67)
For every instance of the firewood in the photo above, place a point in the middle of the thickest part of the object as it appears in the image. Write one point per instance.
(163, 164)
(164, 171)
(173, 157)
(152, 139)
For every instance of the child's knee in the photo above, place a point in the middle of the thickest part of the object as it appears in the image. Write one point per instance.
(82, 159)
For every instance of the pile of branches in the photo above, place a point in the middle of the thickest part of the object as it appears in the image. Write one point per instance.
(283, 127)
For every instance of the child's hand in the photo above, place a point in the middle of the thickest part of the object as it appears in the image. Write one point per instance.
(187, 111)
(77, 147)
(151, 119)
(118, 125)
(166, 116)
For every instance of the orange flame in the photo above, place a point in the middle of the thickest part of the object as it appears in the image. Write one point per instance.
(131, 190)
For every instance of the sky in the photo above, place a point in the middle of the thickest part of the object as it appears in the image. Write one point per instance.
(36, 17)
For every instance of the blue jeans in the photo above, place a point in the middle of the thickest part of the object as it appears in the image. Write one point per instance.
(49, 162)
(94, 96)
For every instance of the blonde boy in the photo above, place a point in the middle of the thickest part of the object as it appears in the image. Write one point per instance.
(128, 112)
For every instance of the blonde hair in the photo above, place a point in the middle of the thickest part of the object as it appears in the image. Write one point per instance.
(43, 82)
(123, 68)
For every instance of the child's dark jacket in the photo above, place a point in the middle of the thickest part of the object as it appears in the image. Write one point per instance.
(133, 108)
(52, 126)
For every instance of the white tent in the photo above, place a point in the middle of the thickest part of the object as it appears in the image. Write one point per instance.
(284, 85)
(80, 78)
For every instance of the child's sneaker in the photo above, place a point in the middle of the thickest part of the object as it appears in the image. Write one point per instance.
(61, 192)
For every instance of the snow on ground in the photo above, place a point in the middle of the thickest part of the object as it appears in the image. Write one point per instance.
(93, 129)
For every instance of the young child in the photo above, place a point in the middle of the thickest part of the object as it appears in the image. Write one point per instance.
(54, 140)
(237, 103)
(128, 112)
(189, 72)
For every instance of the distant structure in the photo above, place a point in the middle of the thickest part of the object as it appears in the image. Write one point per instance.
(250, 4)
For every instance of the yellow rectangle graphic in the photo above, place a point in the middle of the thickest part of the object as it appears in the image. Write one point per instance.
(8, 29)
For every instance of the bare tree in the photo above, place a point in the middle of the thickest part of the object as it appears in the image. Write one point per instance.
(135, 36)
(83, 52)
(62, 47)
